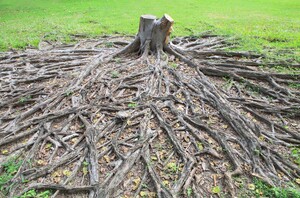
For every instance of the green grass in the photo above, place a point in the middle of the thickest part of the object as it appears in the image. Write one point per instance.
(264, 190)
(33, 193)
(260, 189)
(295, 154)
(260, 24)
(8, 170)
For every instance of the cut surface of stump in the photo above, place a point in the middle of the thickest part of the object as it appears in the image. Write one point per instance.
(146, 116)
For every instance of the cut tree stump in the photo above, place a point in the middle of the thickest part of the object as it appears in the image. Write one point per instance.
(152, 37)
(146, 116)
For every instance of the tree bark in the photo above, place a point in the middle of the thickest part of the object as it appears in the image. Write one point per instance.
(152, 37)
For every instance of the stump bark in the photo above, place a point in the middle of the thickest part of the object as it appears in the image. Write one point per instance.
(153, 35)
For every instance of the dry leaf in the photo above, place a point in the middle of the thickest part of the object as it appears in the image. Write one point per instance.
(200, 146)
(57, 179)
(251, 186)
(107, 159)
(186, 138)
(67, 172)
(4, 152)
(56, 174)
(225, 126)
(74, 140)
(85, 170)
(154, 158)
(151, 194)
(48, 146)
(166, 183)
(143, 193)
(41, 162)
(136, 183)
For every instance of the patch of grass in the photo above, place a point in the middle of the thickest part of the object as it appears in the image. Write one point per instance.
(174, 65)
(264, 190)
(172, 167)
(216, 190)
(68, 93)
(255, 90)
(294, 85)
(132, 105)
(286, 70)
(259, 26)
(295, 154)
(257, 152)
(35, 194)
(8, 170)
(109, 44)
(189, 192)
(117, 60)
(24, 99)
(228, 83)
(115, 74)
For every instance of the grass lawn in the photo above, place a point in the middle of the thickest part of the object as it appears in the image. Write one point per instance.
(261, 25)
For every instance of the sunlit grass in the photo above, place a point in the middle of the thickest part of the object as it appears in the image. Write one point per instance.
(258, 24)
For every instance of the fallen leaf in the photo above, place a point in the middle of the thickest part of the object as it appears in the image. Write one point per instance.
(136, 183)
(85, 170)
(177, 125)
(154, 158)
(73, 128)
(151, 194)
(180, 108)
(67, 172)
(4, 152)
(107, 159)
(48, 146)
(104, 148)
(186, 138)
(56, 174)
(200, 146)
(74, 140)
(57, 179)
(166, 183)
(225, 126)
(251, 186)
(259, 192)
(261, 138)
(143, 193)
(41, 162)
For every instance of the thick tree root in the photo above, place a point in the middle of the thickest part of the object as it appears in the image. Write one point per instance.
(85, 119)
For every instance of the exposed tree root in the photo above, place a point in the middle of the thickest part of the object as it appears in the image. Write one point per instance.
(188, 117)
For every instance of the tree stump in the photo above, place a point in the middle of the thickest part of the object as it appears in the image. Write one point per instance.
(153, 35)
